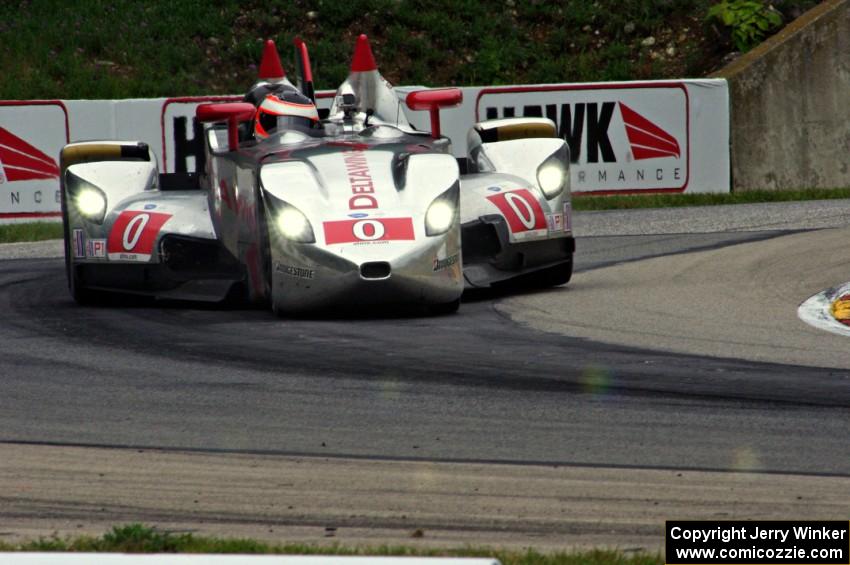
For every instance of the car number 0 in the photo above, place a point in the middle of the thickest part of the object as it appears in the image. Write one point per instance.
(133, 231)
(522, 209)
(368, 230)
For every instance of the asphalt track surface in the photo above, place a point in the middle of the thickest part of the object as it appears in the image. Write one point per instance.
(478, 387)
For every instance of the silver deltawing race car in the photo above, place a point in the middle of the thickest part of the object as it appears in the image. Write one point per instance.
(303, 213)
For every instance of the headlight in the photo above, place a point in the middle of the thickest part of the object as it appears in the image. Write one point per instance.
(293, 225)
(442, 212)
(551, 176)
(89, 200)
(287, 220)
(91, 203)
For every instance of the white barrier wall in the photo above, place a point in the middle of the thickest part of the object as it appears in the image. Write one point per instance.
(660, 136)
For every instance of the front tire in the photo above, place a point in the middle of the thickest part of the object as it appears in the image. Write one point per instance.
(82, 295)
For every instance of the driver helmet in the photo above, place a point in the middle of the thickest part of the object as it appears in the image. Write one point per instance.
(286, 108)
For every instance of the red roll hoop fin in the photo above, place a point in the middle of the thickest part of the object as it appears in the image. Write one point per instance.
(307, 71)
(363, 60)
(270, 67)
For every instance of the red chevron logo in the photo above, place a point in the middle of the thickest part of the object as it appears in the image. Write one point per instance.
(21, 161)
(648, 141)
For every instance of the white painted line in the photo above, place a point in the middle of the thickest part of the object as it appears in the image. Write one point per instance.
(817, 310)
(187, 559)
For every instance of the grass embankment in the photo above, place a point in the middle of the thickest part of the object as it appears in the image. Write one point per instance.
(126, 49)
(35, 231)
(136, 538)
(586, 203)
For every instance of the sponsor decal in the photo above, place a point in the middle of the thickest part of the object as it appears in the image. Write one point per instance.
(134, 234)
(297, 272)
(96, 248)
(360, 180)
(522, 211)
(150, 206)
(556, 222)
(443, 264)
(20, 161)
(494, 188)
(368, 231)
(358, 215)
(568, 216)
(79, 244)
(620, 138)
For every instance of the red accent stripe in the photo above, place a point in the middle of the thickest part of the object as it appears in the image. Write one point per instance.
(13, 147)
(640, 138)
(639, 153)
(24, 160)
(34, 164)
(23, 215)
(14, 174)
(643, 132)
(25, 164)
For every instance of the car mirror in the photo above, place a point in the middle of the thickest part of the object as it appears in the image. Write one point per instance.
(230, 112)
(433, 100)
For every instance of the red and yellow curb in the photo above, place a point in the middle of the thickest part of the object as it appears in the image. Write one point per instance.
(841, 309)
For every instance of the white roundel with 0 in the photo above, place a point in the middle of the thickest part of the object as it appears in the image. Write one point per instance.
(133, 231)
(522, 211)
(368, 230)
(134, 235)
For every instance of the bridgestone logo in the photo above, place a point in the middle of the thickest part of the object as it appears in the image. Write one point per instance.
(442, 264)
(297, 272)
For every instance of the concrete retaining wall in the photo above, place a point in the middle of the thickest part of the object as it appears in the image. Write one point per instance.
(790, 105)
